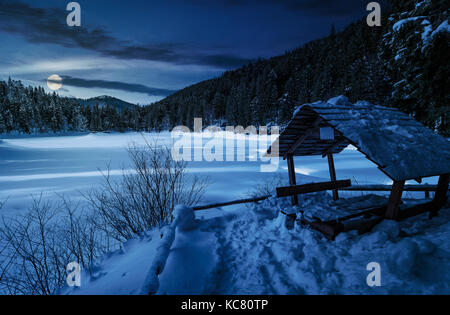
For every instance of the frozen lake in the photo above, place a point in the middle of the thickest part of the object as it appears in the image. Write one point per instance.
(71, 164)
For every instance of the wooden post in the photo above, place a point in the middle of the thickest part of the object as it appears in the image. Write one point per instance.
(292, 180)
(332, 174)
(440, 197)
(394, 200)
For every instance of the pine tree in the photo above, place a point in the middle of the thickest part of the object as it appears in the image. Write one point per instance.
(2, 124)
(414, 51)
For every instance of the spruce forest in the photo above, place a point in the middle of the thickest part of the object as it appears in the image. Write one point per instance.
(398, 64)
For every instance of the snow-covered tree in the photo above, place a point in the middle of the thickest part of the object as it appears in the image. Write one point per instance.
(416, 48)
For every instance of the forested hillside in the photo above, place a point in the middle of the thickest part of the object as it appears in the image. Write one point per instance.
(403, 64)
(32, 110)
(105, 100)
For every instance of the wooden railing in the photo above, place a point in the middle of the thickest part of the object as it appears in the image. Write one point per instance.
(425, 188)
(229, 203)
(313, 187)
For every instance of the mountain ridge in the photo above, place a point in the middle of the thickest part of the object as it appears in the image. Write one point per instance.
(384, 65)
(105, 100)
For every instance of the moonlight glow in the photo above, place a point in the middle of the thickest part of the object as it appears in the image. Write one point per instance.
(54, 82)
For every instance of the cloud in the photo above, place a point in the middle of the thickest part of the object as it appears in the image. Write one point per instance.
(115, 85)
(40, 25)
(47, 26)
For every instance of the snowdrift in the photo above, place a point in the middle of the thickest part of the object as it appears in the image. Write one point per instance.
(249, 251)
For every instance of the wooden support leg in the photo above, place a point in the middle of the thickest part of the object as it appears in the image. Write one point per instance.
(332, 174)
(440, 197)
(292, 180)
(394, 200)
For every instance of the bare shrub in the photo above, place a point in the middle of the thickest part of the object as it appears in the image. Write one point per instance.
(35, 248)
(80, 236)
(146, 196)
(268, 187)
(38, 246)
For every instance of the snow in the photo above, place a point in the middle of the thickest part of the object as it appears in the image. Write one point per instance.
(339, 100)
(191, 264)
(398, 25)
(90, 141)
(443, 27)
(251, 252)
(428, 33)
(184, 218)
(122, 272)
(151, 283)
(419, 4)
(70, 165)
(239, 249)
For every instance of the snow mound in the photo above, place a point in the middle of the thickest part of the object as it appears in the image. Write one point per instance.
(339, 100)
(184, 218)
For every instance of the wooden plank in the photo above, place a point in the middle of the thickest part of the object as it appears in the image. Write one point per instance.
(332, 175)
(367, 226)
(415, 210)
(235, 202)
(394, 200)
(292, 179)
(329, 230)
(313, 187)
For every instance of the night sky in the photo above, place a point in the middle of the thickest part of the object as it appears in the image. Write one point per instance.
(142, 50)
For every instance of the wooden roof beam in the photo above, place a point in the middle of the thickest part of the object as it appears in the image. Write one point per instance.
(302, 139)
(332, 147)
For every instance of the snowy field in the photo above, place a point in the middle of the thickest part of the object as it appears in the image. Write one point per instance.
(244, 249)
(72, 164)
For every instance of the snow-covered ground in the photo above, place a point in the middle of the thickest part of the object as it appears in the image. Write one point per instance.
(234, 250)
(249, 251)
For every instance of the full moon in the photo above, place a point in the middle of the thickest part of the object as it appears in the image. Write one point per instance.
(54, 82)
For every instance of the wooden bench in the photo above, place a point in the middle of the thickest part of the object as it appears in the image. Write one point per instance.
(371, 216)
(311, 188)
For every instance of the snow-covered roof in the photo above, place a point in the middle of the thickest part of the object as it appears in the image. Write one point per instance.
(402, 148)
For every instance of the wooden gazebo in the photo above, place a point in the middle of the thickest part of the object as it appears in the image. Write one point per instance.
(402, 148)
